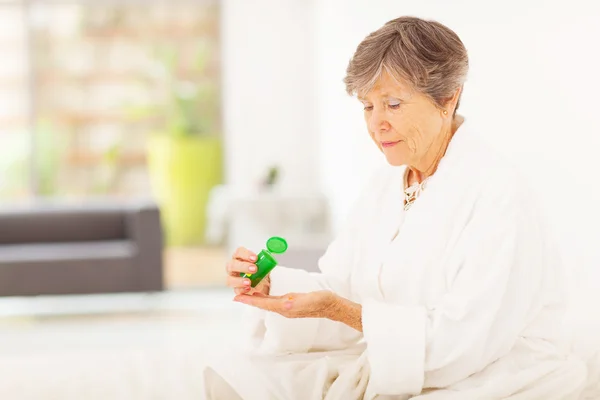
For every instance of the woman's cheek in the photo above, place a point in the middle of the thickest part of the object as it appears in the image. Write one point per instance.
(412, 145)
(375, 141)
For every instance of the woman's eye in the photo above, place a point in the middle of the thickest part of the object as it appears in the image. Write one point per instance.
(394, 106)
(368, 108)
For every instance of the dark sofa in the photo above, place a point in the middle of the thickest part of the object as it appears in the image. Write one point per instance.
(75, 249)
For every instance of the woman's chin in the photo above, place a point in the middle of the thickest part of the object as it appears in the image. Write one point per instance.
(395, 161)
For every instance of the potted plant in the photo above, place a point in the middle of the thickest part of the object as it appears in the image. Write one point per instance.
(185, 159)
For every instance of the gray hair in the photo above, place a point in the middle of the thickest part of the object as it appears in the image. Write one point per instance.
(426, 54)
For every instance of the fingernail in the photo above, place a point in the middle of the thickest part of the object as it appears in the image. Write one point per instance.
(252, 269)
(247, 282)
(253, 258)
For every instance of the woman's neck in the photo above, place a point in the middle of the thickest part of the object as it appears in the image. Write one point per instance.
(429, 163)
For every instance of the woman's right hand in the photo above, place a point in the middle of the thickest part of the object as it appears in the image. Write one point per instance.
(243, 261)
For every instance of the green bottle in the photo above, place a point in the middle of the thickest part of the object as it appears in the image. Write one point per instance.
(265, 261)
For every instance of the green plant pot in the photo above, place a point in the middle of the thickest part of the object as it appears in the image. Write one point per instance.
(183, 170)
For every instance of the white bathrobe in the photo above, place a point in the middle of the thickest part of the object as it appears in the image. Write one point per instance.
(462, 298)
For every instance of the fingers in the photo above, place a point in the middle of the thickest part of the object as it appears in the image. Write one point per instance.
(243, 254)
(238, 282)
(244, 290)
(242, 262)
(258, 294)
(248, 291)
(235, 267)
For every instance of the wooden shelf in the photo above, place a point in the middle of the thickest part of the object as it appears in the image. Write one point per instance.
(88, 118)
(109, 76)
(76, 119)
(174, 31)
(113, 77)
(87, 159)
(56, 77)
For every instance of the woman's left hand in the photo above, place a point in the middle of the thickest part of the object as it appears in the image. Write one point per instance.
(319, 304)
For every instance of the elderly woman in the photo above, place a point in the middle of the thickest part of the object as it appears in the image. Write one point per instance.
(443, 284)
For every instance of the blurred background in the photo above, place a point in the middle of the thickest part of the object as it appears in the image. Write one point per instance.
(142, 141)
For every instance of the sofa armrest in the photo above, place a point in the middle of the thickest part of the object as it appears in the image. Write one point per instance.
(143, 227)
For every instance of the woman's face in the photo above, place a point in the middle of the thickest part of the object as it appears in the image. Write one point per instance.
(403, 123)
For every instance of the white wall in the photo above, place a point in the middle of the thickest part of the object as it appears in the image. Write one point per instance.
(268, 92)
(347, 154)
(532, 89)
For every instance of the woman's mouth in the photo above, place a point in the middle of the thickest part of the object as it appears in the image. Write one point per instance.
(390, 144)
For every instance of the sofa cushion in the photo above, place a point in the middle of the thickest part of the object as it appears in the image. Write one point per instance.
(61, 224)
(81, 267)
(18, 253)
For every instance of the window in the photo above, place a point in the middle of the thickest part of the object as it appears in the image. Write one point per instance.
(14, 113)
(83, 84)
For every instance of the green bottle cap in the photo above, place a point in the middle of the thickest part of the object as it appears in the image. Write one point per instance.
(266, 262)
(277, 245)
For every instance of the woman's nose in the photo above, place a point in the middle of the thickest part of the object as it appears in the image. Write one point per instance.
(378, 121)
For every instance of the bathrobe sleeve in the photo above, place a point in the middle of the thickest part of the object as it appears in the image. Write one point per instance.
(496, 272)
(273, 333)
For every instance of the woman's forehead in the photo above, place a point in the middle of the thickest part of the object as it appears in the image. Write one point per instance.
(385, 87)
